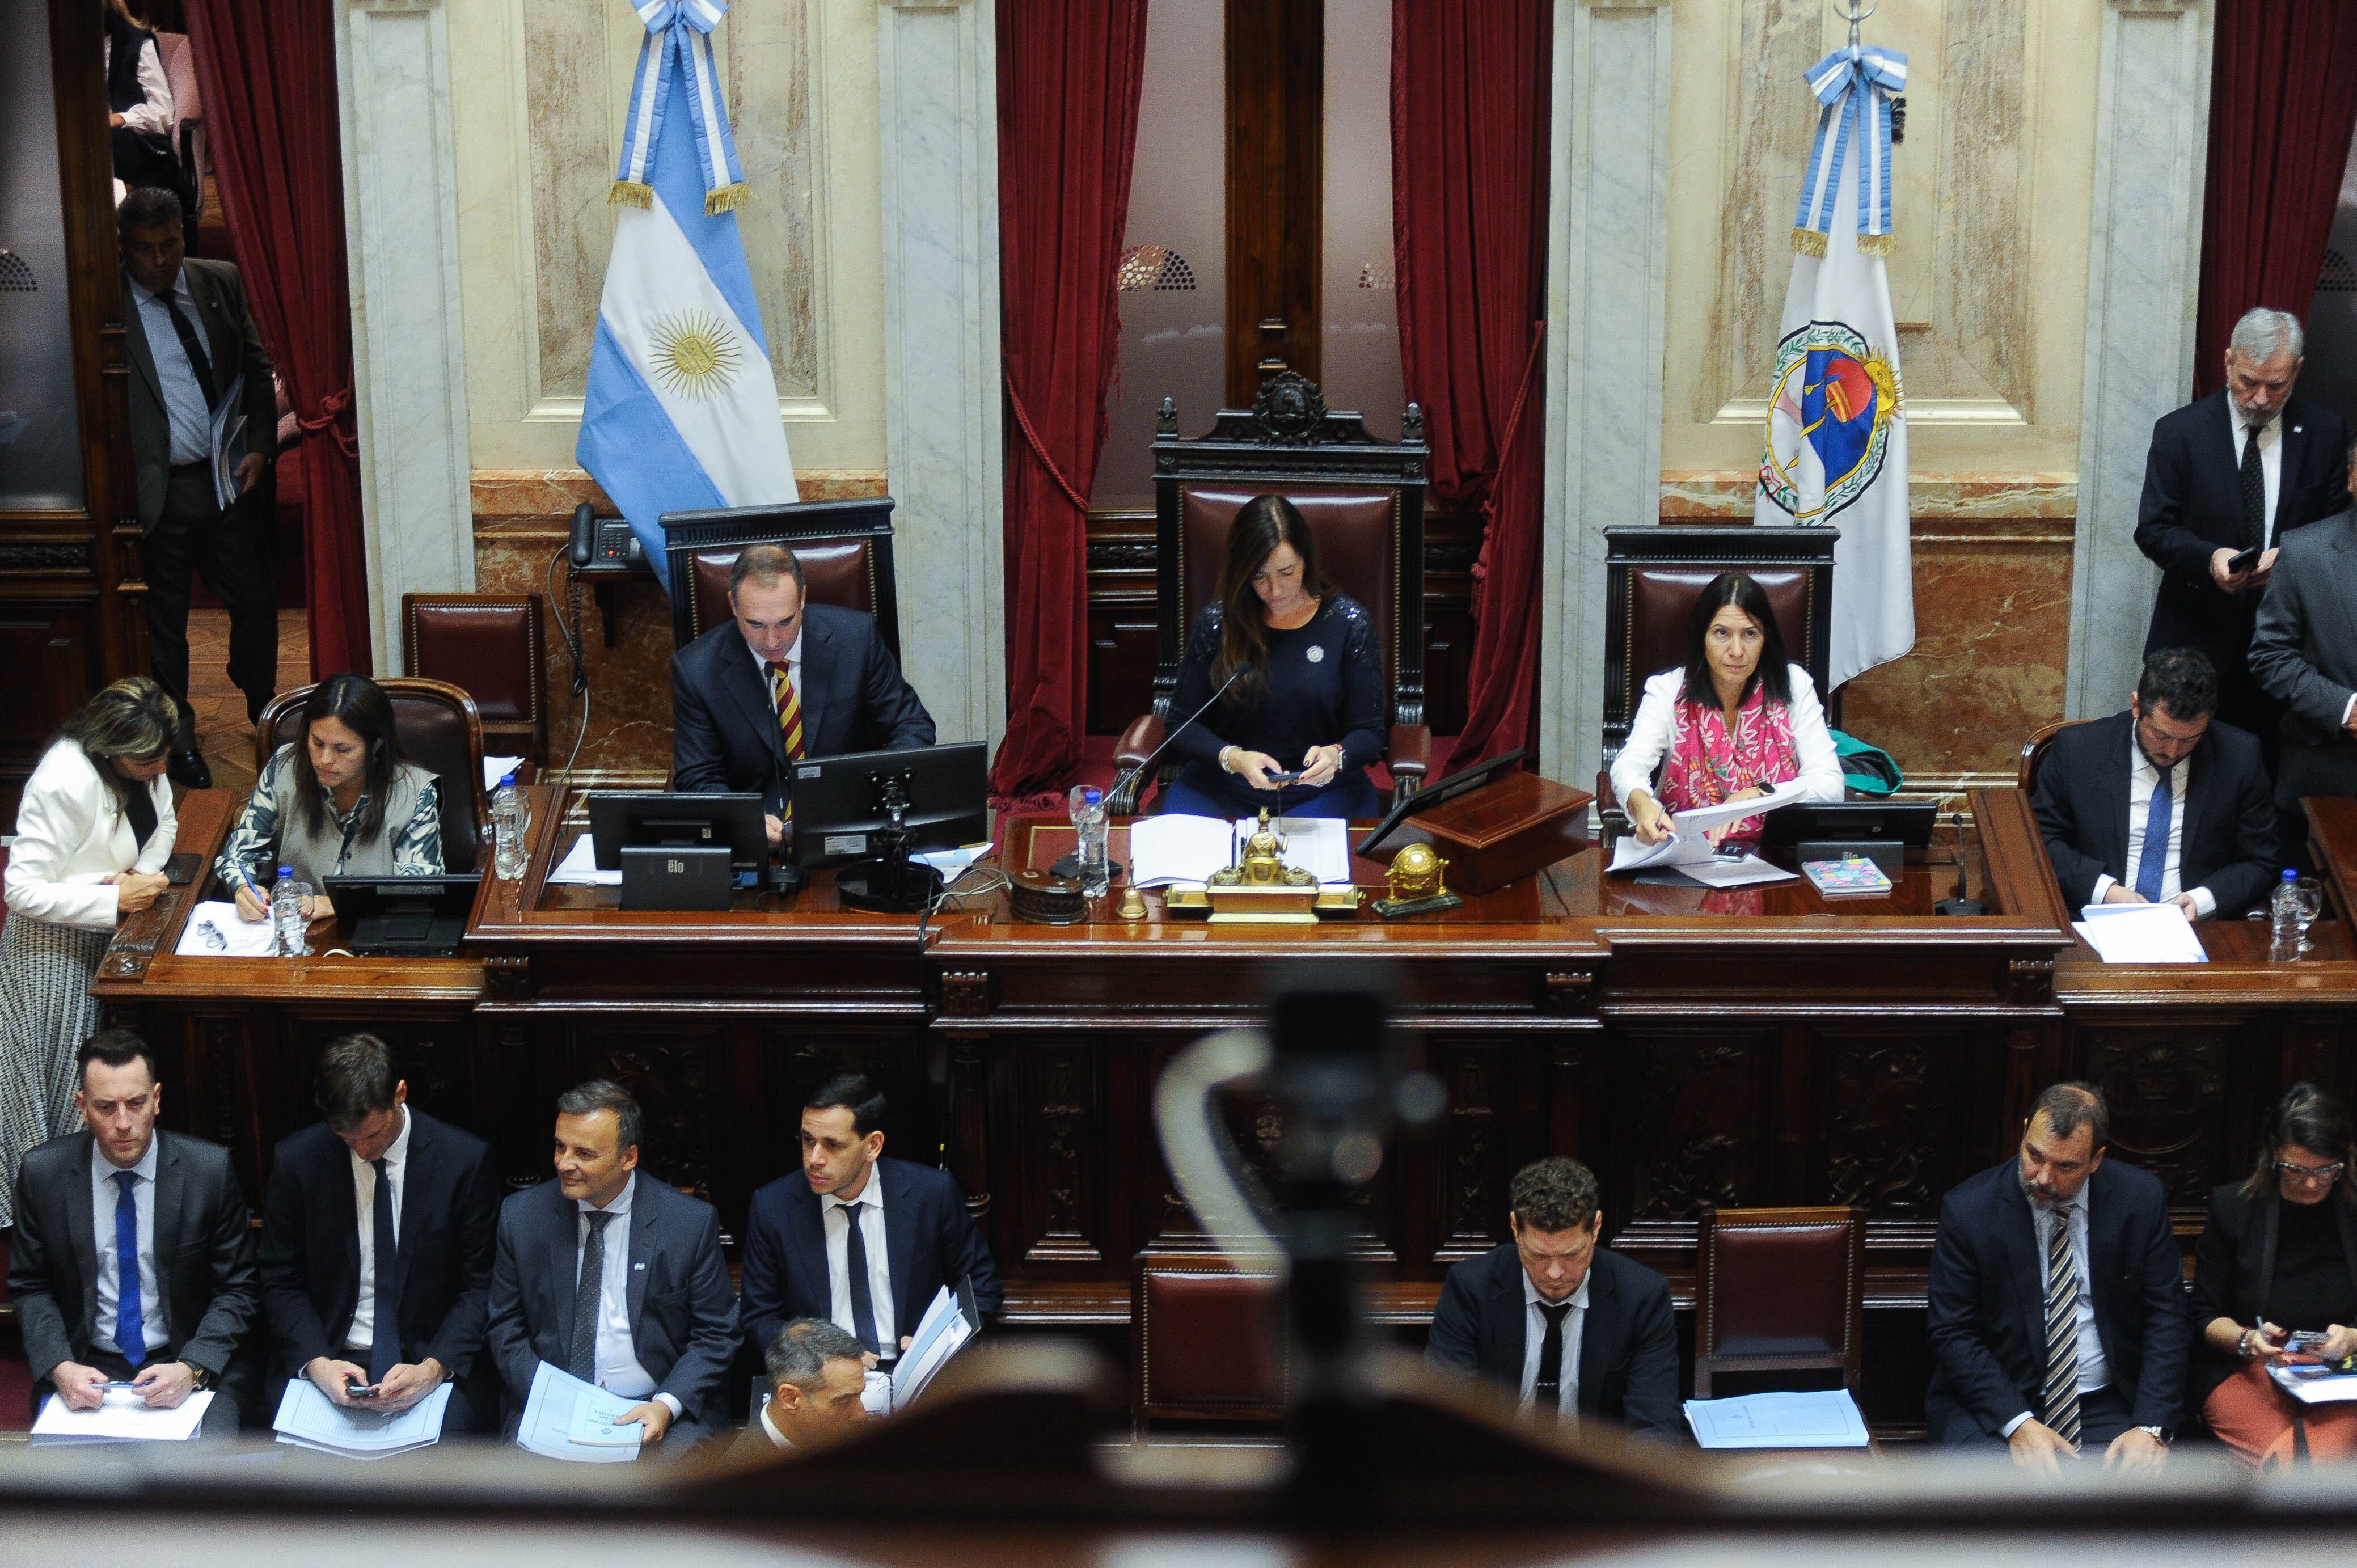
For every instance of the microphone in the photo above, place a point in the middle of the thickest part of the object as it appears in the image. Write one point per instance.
(1960, 904)
(1070, 865)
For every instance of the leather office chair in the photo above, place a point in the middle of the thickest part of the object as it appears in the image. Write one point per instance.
(2033, 750)
(490, 646)
(440, 731)
(1780, 1290)
(1206, 1343)
(845, 549)
(1363, 500)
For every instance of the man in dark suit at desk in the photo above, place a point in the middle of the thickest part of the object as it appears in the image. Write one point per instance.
(134, 1258)
(2305, 653)
(1578, 1331)
(2159, 803)
(864, 1242)
(782, 681)
(818, 1375)
(2057, 1300)
(376, 1246)
(2240, 470)
(642, 1308)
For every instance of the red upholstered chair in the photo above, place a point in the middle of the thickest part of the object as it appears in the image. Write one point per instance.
(1363, 500)
(1206, 1343)
(439, 730)
(490, 646)
(1780, 1290)
(845, 549)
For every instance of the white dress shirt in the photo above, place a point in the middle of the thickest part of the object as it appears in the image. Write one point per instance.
(2144, 777)
(71, 830)
(2270, 466)
(1656, 726)
(776, 1439)
(1575, 1325)
(184, 400)
(618, 1370)
(2095, 1372)
(153, 115)
(396, 1160)
(104, 1196)
(869, 1206)
(793, 663)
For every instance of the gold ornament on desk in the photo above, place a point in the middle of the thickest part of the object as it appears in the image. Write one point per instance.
(1262, 889)
(1418, 886)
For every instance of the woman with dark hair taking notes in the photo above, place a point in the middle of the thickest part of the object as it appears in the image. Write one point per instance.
(339, 801)
(1304, 718)
(1736, 720)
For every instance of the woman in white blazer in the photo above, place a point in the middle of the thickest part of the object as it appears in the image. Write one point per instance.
(93, 834)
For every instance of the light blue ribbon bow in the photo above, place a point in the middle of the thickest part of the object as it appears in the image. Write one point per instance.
(1852, 83)
(681, 29)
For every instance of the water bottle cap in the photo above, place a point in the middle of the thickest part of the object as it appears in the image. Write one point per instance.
(2290, 875)
(286, 872)
(1091, 795)
(506, 780)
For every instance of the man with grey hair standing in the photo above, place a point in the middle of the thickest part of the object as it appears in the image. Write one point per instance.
(2228, 477)
(817, 1374)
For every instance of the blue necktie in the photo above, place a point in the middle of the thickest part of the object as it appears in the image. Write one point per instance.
(130, 1327)
(854, 1260)
(2154, 859)
(385, 1349)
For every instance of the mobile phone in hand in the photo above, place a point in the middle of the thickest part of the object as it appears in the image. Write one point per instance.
(2307, 1342)
(2243, 561)
(1283, 778)
(359, 1390)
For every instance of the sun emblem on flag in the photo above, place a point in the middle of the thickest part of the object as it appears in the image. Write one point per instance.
(1836, 397)
(694, 354)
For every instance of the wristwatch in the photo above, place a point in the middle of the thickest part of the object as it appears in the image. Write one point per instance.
(199, 1377)
(2157, 1433)
(1225, 766)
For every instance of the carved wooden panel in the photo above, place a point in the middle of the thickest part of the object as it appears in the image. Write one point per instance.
(668, 1070)
(1065, 1195)
(1693, 1121)
(1886, 1117)
(2168, 1094)
(1475, 1161)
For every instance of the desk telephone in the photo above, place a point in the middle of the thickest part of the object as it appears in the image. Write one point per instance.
(603, 540)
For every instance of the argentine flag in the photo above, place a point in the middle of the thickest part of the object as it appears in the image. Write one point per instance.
(681, 410)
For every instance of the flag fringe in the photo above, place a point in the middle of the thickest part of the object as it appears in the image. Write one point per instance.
(728, 198)
(1809, 242)
(1874, 244)
(630, 193)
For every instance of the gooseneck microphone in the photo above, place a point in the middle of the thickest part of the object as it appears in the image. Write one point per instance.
(1961, 904)
(1154, 756)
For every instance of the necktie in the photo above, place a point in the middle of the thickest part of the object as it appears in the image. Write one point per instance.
(194, 350)
(581, 1353)
(130, 1328)
(385, 1350)
(2059, 1401)
(2255, 490)
(1547, 1390)
(855, 1265)
(790, 719)
(2153, 859)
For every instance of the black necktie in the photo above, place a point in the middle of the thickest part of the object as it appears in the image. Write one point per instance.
(194, 350)
(581, 1358)
(1547, 1390)
(855, 1264)
(2254, 491)
(385, 1349)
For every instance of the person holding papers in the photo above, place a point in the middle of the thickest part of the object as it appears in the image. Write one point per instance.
(1737, 720)
(133, 1259)
(615, 1278)
(2159, 804)
(376, 1247)
(817, 1375)
(1304, 718)
(2279, 1256)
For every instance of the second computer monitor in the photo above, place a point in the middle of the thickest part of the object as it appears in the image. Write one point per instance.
(839, 802)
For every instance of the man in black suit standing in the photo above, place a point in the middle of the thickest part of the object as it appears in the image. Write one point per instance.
(191, 342)
(2305, 653)
(2057, 1300)
(864, 1242)
(2160, 802)
(642, 1308)
(782, 681)
(376, 1246)
(2238, 470)
(134, 1258)
(1578, 1331)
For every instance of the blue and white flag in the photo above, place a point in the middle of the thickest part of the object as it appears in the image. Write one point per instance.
(1836, 445)
(682, 411)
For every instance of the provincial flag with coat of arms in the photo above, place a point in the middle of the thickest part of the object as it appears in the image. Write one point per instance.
(681, 410)
(1836, 442)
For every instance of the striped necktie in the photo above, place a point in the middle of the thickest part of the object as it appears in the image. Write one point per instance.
(2059, 1401)
(790, 718)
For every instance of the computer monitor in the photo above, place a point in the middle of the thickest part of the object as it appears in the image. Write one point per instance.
(405, 917)
(650, 819)
(839, 802)
(1906, 823)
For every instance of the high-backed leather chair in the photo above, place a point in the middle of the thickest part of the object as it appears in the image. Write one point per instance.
(845, 549)
(439, 730)
(490, 646)
(1206, 1343)
(1363, 500)
(1780, 1290)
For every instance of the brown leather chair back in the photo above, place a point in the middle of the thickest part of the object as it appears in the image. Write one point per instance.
(838, 572)
(2033, 750)
(440, 731)
(1356, 531)
(1778, 1290)
(1206, 1343)
(845, 549)
(490, 646)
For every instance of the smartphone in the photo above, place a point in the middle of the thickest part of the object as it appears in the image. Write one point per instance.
(2243, 561)
(1283, 778)
(359, 1390)
(2307, 1342)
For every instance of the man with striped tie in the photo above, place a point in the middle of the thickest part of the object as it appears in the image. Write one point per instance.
(783, 681)
(2057, 1316)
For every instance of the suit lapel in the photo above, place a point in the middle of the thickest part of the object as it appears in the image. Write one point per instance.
(2197, 792)
(749, 688)
(899, 1247)
(2289, 466)
(83, 1237)
(346, 1193)
(1514, 1318)
(821, 661)
(135, 338)
(2119, 740)
(171, 1184)
(221, 341)
(642, 1250)
(2018, 1232)
(2103, 1260)
(806, 1234)
(1602, 1298)
(565, 1266)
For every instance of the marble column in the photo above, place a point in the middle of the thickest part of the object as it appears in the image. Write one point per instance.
(2144, 275)
(409, 363)
(938, 121)
(1607, 288)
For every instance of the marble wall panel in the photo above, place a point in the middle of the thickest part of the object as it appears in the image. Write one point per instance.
(572, 171)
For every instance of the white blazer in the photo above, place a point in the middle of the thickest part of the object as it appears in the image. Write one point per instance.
(1656, 724)
(69, 832)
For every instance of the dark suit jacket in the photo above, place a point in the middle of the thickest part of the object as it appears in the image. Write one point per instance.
(204, 1257)
(233, 347)
(2304, 651)
(2081, 801)
(754, 1438)
(2234, 1272)
(1988, 1314)
(929, 1234)
(724, 737)
(1627, 1348)
(2192, 507)
(311, 1248)
(683, 1314)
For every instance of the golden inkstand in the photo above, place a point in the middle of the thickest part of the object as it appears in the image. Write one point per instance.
(1262, 889)
(1417, 887)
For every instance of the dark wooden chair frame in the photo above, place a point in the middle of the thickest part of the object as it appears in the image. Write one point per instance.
(800, 523)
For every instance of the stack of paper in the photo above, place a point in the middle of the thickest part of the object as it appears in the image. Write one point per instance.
(2140, 933)
(1320, 845)
(122, 1417)
(309, 1419)
(1688, 845)
(579, 868)
(944, 1332)
(214, 931)
(1825, 1418)
(2314, 1382)
(498, 768)
(1175, 848)
(564, 1418)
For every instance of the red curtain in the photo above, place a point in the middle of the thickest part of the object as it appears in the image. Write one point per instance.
(267, 71)
(2283, 102)
(1068, 80)
(1469, 133)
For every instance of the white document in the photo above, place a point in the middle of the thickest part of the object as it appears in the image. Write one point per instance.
(1687, 845)
(214, 931)
(550, 1413)
(1175, 847)
(941, 1335)
(952, 863)
(1317, 844)
(1749, 872)
(498, 768)
(229, 443)
(579, 868)
(309, 1419)
(1825, 1418)
(123, 1416)
(2143, 933)
(2310, 1383)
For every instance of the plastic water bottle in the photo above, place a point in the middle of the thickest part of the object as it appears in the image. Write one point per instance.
(507, 829)
(1088, 808)
(286, 924)
(2283, 907)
